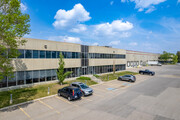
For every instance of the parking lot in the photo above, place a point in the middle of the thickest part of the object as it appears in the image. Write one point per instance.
(149, 98)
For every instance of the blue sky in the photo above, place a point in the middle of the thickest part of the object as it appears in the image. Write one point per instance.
(141, 25)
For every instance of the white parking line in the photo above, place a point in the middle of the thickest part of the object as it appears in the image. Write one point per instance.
(49, 106)
(66, 101)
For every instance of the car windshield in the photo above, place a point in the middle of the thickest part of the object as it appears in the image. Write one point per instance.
(146, 70)
(84, 86)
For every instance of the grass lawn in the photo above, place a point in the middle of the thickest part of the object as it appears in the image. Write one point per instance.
(37, 91)
(82, 79)
(115, 76)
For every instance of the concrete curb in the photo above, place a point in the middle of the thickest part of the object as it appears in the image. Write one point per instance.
(8, 107)
(11, 106)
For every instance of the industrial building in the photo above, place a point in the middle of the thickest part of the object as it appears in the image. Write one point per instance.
(39, 59)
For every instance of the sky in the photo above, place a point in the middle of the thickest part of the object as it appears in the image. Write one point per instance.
(140, 25)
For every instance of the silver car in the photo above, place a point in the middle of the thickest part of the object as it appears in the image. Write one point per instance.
(86, 90)
(130, 78)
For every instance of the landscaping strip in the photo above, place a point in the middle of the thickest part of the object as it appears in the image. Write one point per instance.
(34, 92)
(108, 77)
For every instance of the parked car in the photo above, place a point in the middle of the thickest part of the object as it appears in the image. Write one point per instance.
(70, 93)
(148, 72)
(86, 90)
(130, 78)
(159, 64)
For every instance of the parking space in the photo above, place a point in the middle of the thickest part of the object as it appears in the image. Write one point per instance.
(57, 107)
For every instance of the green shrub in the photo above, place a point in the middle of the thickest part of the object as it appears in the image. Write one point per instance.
(110, 76)
(83, 78)
(97, 76)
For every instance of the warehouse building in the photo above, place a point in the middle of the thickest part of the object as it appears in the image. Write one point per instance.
(137, 58)
(38, 61)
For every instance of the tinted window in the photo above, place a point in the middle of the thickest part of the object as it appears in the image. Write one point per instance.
(69, 55)
(53, 54)
(28, 77)
(84, 86)
(48, 54)
(21, 53)
(35, 54)
(42, 75)
(74, 85)
(64, 54)
(35, 76)
(28, 53)
(58, 53)
(76, 90)
(73, 55)
(20, 77)
(42, 54)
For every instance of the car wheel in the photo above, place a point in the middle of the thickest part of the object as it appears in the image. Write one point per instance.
(69, 98)
(59, 94)
(130, 80)
(141, 73)
(120, 79)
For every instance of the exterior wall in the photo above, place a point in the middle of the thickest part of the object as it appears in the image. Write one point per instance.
(139, 58)
(80, 59)
(38, 44)
(38, 64)
(102, 49)
(106, 50)
(97, 62)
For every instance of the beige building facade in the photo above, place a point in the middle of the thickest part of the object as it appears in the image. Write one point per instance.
(38, 61)
(137, 58)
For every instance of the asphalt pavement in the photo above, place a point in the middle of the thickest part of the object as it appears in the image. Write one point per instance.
(149, 98)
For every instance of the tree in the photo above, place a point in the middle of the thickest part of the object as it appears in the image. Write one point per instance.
(60, 72)
(175, 59)
(13, 26)
(178, 54)
(165, 56)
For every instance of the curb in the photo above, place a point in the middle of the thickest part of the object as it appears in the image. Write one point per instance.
(11, 106)
(8, 107)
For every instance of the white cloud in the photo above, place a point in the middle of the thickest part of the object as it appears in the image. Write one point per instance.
(112, 28)
(178, 1)
(23, 7)
(133, 43)
(112, 2)
(114, 42)
(150, 9)
(141, 9)
(79, 28)
(95, 44)
(72, 18)
(72, 21)
(145, 4)
(66, 39)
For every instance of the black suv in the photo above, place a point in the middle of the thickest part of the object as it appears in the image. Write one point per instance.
(70, 93)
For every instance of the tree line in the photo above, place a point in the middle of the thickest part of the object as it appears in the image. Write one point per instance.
(167, 57)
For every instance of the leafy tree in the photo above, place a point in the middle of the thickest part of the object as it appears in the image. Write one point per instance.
(165, 56)
(13, 25)
(60, 72)
(175, 59)
(178, 54)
